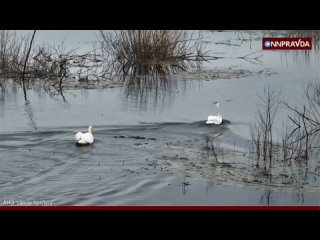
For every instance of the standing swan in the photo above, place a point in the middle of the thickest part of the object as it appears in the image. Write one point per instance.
(84, 138)
(215, 119)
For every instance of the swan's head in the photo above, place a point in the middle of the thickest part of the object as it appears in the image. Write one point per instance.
(90, 129)
(217, 104)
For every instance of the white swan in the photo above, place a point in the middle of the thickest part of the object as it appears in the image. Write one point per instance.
(84, 138)
(215, 119)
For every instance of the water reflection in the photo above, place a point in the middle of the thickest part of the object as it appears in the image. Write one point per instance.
(299, 198)
(185, 184)
(2, 93)
(153, 85)
(265, 197)
(30, 116)
(8, 89)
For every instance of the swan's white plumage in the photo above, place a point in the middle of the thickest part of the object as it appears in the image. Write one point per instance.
(215, 119)
(84, 138)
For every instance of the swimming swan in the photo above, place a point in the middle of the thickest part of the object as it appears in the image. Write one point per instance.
(84, 138)
(215, 119)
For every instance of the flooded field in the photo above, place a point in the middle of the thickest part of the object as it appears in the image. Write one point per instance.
(152, 147)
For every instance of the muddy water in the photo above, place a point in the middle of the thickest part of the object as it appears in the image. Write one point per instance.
(154, 152)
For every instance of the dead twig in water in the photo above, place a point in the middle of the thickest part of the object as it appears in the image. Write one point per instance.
(25, 64)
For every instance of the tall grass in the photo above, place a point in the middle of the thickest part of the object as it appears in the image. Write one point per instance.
(137, 53)
(306, 122)
(262, 130)
(129, 49)
(300, 140)
(43, 61)
(45, 66)
(13, 50)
